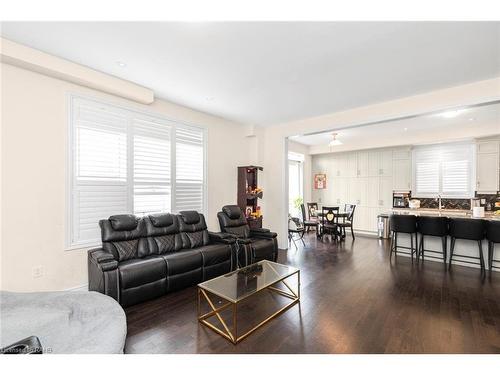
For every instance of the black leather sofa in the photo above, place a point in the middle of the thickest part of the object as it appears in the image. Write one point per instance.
(253, 245)
(144, 258)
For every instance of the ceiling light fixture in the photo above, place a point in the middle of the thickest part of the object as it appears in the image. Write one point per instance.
(334, 141)
(121, 64)
(451, 114)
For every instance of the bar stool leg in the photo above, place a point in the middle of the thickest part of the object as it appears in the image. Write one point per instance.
(444, 243)
(452, 248)
(491, 247)
(481, 255)
(411, 246)
(422, 247)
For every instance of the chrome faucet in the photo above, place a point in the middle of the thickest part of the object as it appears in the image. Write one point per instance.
(440, 203)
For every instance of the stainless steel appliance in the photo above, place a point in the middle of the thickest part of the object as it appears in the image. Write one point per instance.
(401, 199)
(383, 230)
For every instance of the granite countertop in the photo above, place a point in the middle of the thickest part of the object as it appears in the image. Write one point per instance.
(488, 215)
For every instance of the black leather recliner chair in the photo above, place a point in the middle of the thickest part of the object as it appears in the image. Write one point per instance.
(144, 258)
(254, 245)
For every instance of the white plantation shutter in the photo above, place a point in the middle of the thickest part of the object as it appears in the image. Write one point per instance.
(189, 169)
(152, 186)
(122, 161)
(444, 169)
(100, 168)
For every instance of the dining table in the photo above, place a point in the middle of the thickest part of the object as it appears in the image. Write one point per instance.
(338, 215)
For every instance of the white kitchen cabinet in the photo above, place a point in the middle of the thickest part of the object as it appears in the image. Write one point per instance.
(489, 147)
(363, 164)
(361, 218)
(385, 192)
(351, 165)
(401, 174)
(341, 165)
(357, 190)
(373, 163)
(487, 173)
(372, 187)
(385, 163)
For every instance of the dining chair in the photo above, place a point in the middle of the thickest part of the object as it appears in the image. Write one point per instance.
(311, 223)
(295, 226)
(348, 221)
(329, 222)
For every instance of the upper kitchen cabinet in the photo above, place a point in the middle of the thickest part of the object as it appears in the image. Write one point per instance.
(487, 167)
(401, 170)
(385, 163)
(374, 163)
(351, 165)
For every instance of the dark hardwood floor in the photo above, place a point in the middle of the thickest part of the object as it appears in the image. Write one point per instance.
(353, 300)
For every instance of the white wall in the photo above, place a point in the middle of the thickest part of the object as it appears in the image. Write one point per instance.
(33, 160)
(274, 153)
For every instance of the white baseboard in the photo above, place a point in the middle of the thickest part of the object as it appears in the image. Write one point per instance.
(81, 288)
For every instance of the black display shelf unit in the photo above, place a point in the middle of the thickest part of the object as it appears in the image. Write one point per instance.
(249, 194)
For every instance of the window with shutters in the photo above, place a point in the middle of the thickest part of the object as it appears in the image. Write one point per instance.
(443, 169)
(124, 161)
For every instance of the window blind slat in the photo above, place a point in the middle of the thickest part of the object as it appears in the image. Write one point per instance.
(443, 169)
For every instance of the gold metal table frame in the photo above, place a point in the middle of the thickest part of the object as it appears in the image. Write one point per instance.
(232, 335)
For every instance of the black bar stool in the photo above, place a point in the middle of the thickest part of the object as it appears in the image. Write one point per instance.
(493, 236)
(467, 229)
(403, 224)
(433, 226)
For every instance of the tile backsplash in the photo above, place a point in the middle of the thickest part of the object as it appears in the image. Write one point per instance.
(455, 204)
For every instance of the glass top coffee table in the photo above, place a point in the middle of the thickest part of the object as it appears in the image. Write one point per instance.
(236, 286)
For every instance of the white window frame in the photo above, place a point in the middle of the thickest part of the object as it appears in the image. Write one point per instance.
(70, 244)
(472, 164)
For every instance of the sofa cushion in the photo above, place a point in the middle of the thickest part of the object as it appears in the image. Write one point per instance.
(162, 232)
(123, 236)
(190, 217)
(193, 229)
(214, 254)
(126, 249)
(123, 222)
(136, 272)
(232, 211)
(183, 261)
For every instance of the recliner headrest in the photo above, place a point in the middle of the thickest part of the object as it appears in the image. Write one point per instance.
(190, 217)
(162, 220)
(123, 222)
(232, 210)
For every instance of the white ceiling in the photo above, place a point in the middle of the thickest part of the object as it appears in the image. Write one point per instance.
(265, 73)
(472, 122)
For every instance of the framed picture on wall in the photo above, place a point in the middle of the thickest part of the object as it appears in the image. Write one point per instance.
(320, 181)
(249, 211)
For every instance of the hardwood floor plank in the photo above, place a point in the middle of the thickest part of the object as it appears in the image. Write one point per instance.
(353, 300)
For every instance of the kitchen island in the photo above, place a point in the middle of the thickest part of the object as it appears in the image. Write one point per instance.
(462, 247)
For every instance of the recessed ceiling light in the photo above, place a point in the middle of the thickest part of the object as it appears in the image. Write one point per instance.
(405, 129)
(334, 141)
(121, 64)
(451, 114)
(472, 118)
(209, 98)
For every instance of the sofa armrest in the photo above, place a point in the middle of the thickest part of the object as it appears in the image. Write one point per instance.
(260, 230)
(221, 238)
(102, 259)
(262, 233)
